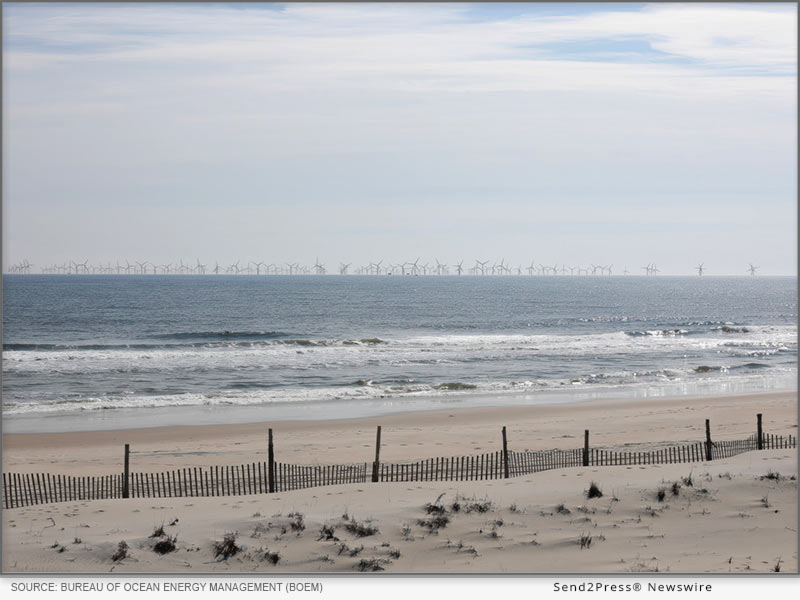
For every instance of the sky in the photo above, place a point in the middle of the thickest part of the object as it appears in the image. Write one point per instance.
(575, 134)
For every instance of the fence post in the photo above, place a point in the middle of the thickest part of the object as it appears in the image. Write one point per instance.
(760, 433)
(586, 448)
(505, 453)
(708, 439)
(125, 488)
(375, 465)
(271, 466)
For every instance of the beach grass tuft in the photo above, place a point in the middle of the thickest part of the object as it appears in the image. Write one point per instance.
(227, 547)
(121, 552)
(166, 545)
(345, 549)
(297, 524)
(478, 507)
(369, 564)
(434, 523)
(585, 541)
(435, 509)
(326, 533)
(360, 529)
(594, 491)
(272, 558)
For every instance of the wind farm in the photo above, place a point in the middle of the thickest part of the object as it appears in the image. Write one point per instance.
(382, 267)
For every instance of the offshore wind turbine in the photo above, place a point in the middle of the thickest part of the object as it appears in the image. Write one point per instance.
(700, 269)
(459, 267)
(752, 269)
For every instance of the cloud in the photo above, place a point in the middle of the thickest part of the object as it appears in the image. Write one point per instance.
(346, 37)
(424, 113)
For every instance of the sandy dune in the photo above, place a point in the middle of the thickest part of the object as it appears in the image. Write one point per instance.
(731, 519)
(736, 515)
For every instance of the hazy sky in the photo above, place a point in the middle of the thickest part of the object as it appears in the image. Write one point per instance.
(569, 133)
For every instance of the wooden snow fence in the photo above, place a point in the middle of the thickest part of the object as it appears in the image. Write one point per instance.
(27, 489)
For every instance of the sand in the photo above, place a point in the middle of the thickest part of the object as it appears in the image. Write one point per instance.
(733, 518)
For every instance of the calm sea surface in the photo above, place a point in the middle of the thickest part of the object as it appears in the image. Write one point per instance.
(165, 349)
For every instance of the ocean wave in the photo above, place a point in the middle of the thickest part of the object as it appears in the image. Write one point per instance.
(373, 389)
(33, 347)
(659, 332)
(225, 334)
(298, 354)
(233, 343)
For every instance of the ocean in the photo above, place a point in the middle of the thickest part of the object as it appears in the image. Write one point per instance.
(95, 352)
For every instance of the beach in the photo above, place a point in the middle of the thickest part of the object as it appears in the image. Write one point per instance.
(478, 288)
(738, 514)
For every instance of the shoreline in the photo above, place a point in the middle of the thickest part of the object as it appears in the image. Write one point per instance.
(122, 419)
(407, 435)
